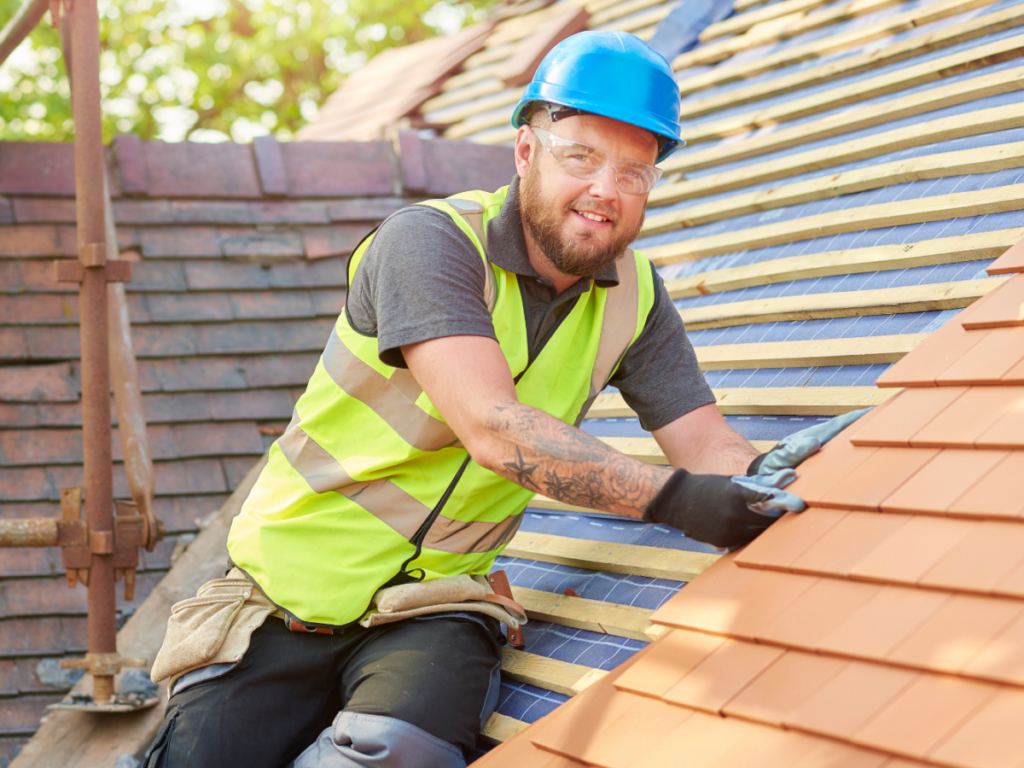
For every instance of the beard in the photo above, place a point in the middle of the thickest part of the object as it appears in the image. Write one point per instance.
(580, 257)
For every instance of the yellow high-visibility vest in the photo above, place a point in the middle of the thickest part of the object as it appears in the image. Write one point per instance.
(368, 482)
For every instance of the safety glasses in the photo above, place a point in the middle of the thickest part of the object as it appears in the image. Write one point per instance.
(585, 162)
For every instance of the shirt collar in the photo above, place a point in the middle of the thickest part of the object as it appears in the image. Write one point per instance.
(506, 243)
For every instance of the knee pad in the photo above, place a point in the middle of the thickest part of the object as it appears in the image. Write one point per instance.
(357, 740)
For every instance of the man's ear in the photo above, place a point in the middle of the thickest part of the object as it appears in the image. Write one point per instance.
(523, 150)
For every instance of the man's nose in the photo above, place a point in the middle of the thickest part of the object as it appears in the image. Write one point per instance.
(603, 185)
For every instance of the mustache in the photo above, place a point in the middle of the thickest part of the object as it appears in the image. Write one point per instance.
(593, 206)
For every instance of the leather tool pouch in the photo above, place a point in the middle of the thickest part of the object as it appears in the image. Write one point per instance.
(212, 627)
(453, 593)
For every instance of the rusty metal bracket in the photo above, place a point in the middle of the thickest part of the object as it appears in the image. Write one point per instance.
(66, 271)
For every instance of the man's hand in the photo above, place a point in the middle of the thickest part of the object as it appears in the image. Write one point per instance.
(793, 450)
(710, 508)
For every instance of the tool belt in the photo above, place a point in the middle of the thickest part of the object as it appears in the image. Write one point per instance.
(214, 627)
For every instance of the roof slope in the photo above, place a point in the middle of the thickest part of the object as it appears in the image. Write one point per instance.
(852, 170)
(883, 626)
(238, 277)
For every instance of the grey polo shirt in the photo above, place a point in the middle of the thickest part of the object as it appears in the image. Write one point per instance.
(421, 279)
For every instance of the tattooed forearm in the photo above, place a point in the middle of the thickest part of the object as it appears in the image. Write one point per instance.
(543, 454)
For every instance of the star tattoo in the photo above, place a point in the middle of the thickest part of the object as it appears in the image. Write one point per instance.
(523, 472)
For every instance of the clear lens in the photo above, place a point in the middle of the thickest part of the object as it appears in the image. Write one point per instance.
(586, 162)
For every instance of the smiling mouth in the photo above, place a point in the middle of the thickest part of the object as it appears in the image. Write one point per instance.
(593, 216)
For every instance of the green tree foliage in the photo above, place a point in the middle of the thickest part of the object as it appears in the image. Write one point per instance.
(213, 69)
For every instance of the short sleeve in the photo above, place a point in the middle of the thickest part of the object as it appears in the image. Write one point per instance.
(421, 278)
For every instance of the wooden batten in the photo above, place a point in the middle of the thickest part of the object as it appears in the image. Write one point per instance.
(936, 208)
(848, 66)
(549, 674)
(818, 306)
(657, 563)
(593, 615)
(947, 250)
(767, 401)
(962, 163)
(930, 132)
(860, 91)
(825, 46)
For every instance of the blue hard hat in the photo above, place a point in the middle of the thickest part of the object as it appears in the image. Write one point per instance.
(613, 74)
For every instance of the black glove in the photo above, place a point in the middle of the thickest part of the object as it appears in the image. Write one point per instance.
(709, 508)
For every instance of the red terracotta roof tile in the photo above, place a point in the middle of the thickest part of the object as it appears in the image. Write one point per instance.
(820, 473)
(189, 169)
(934, 488)
(1002, 658)
(667, 662)
(648, 721)
(786, 684)
(723, 674)
(911, 550)
(40, 383)
(703, 739)
(816, 613)
(990, 738)
(932, 356)
(890, 617)
(905, 415)
(990, 553)
(949, 638)
(923, 714)
(874, 479)
(843, 705)
(969, 417)
(990, 360)
(789, 538)
(1003, 307)
(996, 494)
(1010, 262)
(739, 604)
(848, 542)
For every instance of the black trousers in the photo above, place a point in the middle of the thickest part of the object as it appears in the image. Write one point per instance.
(435, 674)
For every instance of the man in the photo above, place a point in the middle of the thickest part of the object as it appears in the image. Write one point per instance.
(477, 332)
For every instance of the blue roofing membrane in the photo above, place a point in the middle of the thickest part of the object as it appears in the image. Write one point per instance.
(528, 703)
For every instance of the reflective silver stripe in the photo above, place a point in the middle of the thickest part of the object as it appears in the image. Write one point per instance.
(472, 213)
(450, 535)
(321, 470)
(400, 511)
(414, 425)
(617, 329)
